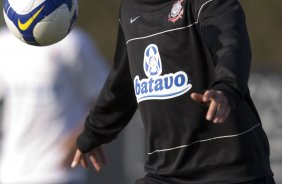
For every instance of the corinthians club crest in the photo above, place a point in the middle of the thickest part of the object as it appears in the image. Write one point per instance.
(158, 86)
(176, 11)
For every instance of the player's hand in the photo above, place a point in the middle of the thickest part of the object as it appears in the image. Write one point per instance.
(96, 157)
(219, 107)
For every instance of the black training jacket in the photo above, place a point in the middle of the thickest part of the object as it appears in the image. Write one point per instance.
(167, 49)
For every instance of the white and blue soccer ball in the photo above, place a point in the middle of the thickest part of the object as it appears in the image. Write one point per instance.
(40, 22)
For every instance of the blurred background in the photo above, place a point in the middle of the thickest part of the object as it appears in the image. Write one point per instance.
(126, 154)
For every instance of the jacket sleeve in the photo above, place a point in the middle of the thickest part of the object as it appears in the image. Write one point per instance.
(223, 26)
(115, 106)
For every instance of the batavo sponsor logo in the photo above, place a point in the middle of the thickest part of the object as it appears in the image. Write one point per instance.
(157, 86)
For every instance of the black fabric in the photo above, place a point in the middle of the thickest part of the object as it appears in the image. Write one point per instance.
(115, 107)
(226, 35)
(146, 181)
(265, 180)
(197, 45)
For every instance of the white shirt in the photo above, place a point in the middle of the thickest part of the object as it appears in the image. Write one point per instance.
(46, 92)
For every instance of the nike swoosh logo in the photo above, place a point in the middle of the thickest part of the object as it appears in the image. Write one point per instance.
(26, 25)
(134, 19)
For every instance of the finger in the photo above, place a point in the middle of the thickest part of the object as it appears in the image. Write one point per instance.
(94, 158)
(208, 95)
(197, 97)
(225, 115)
(221, 110)
(212, 110)
(84, 162)
(101, 154)
(76, 159)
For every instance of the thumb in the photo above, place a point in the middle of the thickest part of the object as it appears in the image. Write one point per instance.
(197, 97)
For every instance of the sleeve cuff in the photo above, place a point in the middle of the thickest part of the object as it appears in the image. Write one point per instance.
(86, 141)
(233, 98)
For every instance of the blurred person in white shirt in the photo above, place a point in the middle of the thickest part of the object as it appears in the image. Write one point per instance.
(47, 92)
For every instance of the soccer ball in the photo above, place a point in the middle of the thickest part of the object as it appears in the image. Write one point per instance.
(40, 22)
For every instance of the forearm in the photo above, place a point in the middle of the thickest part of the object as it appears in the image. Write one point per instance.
(223, 27)
(115, 106)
